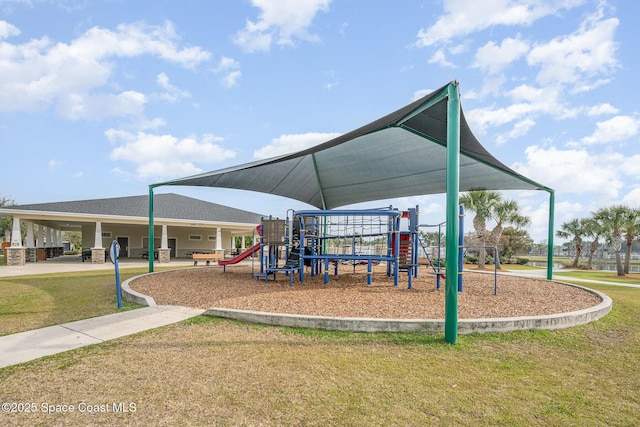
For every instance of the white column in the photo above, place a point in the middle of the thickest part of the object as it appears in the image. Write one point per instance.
(49, 243)
(30, 239)
(218, 239)
(41, 236)
(164, 244)
(242, 248)
(16, 236)
(98, 237)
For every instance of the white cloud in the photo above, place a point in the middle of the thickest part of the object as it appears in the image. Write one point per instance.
(616, 129)
(629, 166)
(95, 107)
(574, 171)
(131, 40)
(575, 62)
(565, 211)
(291, 143)
(568, 210)
(229, 68)
(578, 57)
(521, 128)
(632, 198)
(329, 86)
(482, 118)
(144, 123)
(602, 109)
(494, 58)
(464, 17)
(280, 22)
(440, 58)
(492, 85)
(7, 30)
(40, 73)
(528, 103)
(231, 79)
(172, 93)
(538, 212)
(55, 164)
(226, 64)
(420, 93)
(158, 155)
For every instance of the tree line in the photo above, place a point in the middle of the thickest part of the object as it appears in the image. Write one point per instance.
(613, 225)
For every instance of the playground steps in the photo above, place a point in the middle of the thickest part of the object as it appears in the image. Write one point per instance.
(404, 255)
(292, 265)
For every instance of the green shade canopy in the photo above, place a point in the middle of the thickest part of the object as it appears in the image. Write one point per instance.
(401, 154)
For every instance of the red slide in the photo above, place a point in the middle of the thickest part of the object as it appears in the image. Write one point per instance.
(241, 256)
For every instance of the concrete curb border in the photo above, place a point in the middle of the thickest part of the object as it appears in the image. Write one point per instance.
(425, 326)
(135, 297)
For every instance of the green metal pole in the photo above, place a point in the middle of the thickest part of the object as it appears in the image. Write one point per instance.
(151, 236)
(453, 231)
(550, 240)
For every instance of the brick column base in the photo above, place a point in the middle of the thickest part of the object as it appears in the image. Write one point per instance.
(97, 255)
(16, 256)
(164, 255)
(30, 255)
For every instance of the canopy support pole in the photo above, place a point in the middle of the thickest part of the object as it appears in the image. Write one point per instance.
(550, 239)
(151, 236)
(453, 231)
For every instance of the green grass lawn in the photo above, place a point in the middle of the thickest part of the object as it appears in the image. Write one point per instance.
(605, 276)
(207, 371)
(36, 301)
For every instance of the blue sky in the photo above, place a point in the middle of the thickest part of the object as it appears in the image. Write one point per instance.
(102, 98)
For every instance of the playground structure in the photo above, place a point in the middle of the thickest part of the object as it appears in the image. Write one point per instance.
(321, 240)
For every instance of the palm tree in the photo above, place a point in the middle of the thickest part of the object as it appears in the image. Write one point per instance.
(613, 219)
(505, 213)
(481, 202)
(593, 229)
(631, 229)
(574, 229)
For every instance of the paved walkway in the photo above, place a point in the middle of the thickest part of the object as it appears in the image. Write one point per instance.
(543, 274)
(30, 345)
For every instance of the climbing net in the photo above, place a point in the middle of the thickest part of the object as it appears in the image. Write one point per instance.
(355, 235)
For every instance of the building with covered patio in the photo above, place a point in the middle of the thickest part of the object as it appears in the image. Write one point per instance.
(185, 226)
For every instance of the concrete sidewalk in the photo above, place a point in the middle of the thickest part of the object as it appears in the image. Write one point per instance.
(30, 345)
(542, 274)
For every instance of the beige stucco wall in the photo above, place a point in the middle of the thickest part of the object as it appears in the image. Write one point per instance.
(138, 234)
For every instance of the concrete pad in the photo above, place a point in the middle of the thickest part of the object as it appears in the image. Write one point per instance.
(119, 325)
(30, 345)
